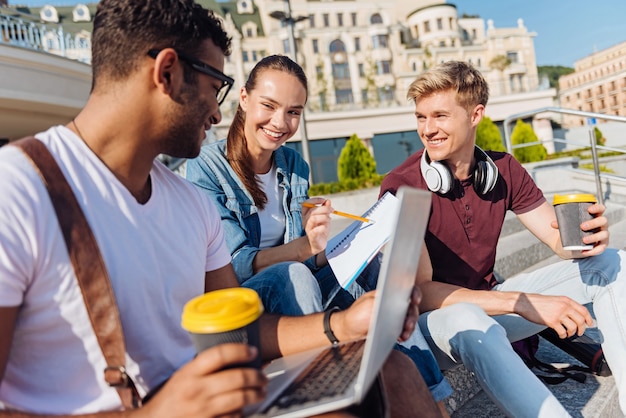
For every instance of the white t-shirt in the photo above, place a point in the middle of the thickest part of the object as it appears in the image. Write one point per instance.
(156, 256)
(272, 217)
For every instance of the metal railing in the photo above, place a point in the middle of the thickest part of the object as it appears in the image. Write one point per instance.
(592, 139)
(17, 29)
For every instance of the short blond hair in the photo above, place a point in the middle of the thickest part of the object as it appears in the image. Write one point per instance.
(468, 83)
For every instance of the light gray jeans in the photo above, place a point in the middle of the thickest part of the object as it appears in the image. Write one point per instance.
(464, 333)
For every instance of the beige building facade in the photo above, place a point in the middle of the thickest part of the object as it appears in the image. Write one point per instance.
(598, 85)
(360, 57)
(361, 54)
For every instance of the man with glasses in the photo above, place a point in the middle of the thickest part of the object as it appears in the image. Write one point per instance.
(157, 85)
(227, 82)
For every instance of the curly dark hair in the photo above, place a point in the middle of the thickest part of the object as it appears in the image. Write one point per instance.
(124, 31)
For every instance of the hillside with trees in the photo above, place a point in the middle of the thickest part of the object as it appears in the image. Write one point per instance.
(553, 72)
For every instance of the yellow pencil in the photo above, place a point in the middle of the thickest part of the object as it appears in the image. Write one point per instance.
(344, 214)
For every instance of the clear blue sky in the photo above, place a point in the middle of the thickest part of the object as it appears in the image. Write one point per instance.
(567, 30)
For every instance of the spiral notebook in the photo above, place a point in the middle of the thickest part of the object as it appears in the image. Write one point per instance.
(350, 251)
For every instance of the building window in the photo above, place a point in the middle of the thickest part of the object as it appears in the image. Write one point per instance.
(341, 71)
(474, 34)
(427, 27)
(451, 23)
(442, 44)
(385, 94)
(315, 46)
(337, 46)
(353, 16)
(361, 70)
(245, 56)
(326, 20)
(379, 41)
(312, 20)
(249, 33)
(357, 44)
(512, 56)
(376, 19)
(339, 19)
(383, 67)
(439, 24)
(343, 96)
(255, 57)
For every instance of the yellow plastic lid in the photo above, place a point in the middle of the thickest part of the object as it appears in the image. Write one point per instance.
(559, 199)
(222, 310)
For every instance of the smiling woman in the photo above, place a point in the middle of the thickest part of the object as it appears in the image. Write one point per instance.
(259, 186)
(276, 234)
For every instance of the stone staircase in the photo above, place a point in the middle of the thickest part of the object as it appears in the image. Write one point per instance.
(518, 250)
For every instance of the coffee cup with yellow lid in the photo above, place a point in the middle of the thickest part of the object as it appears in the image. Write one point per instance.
(224, 316)
(571, 211)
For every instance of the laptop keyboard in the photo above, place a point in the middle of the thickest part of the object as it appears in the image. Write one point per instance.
(328, 375)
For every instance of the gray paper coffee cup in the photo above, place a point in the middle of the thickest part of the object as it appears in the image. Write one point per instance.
(224, 316)
(571, 211)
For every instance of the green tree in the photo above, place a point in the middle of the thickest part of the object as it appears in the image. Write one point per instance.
(488, 136)
(553, 72)
(321, 84)
(523, 134)
(600, 139)
(355, 162)
(500, 63)
(370, 82)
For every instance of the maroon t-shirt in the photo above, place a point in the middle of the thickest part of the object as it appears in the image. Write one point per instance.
(464, 227)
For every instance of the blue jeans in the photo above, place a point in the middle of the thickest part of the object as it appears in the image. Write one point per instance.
(290, 288)
(464, 333)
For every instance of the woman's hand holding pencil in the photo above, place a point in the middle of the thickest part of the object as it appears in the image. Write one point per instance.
(344, 214)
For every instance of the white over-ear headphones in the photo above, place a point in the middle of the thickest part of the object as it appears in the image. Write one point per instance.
(440, 179)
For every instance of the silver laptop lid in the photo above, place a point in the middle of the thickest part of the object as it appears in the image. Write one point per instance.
(395, 283)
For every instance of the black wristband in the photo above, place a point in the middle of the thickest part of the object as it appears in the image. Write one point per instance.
(327, 330)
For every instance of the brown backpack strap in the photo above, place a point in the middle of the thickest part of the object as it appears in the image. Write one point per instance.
(89, 268)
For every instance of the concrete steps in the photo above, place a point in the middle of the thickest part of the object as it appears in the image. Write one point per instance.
(519, 251)
(596, 398)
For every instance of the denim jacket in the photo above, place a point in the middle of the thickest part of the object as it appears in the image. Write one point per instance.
(240, 220)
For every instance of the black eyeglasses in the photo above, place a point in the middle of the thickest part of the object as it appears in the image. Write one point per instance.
(227, 82)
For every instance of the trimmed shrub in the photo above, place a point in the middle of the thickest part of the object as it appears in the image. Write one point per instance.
(488, 136)
(355, 161)
(523, 134)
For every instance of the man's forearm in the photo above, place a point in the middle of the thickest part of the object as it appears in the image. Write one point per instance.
(437, 295)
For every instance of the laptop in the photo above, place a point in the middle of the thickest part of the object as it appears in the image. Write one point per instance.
(355, 364)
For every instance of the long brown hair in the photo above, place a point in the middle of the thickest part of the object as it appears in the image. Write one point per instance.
(236, 144)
